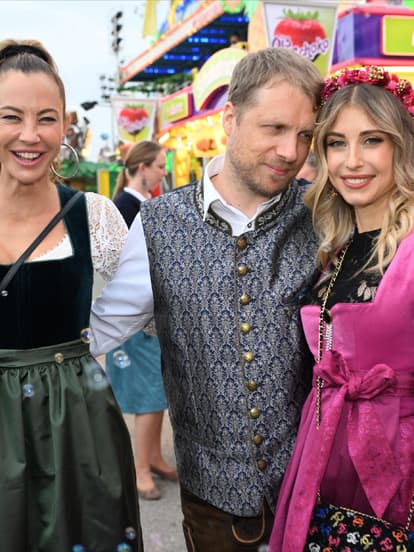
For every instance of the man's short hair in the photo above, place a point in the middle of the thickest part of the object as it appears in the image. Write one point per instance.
(271, 66)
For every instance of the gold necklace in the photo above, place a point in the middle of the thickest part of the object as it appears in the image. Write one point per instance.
(324, 311)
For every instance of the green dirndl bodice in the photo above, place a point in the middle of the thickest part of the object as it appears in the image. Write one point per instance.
(67, 481)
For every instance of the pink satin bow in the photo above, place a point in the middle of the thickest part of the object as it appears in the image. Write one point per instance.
(370, 452)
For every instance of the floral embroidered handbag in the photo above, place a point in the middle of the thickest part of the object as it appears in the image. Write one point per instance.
(342, 530)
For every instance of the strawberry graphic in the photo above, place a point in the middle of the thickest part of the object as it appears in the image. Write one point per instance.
(300, 27)
(133, 119)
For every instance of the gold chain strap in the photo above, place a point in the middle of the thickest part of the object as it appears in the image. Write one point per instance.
(410, 515)
(407, 525)
(323, 313)
(319, 381)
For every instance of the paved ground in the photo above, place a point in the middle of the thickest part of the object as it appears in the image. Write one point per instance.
(161, 519)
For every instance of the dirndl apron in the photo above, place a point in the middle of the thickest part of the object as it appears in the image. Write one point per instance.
(67, 480)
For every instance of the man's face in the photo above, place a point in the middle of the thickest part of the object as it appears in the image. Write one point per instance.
(269, 141)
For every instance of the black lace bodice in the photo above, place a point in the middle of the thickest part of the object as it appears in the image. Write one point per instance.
(351, 286)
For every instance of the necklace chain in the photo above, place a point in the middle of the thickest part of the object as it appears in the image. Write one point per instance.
(324, 310)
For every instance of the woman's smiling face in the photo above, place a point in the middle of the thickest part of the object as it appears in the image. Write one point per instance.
(32, 125)
(360, 165)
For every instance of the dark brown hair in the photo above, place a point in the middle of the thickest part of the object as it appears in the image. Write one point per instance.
(29, 56)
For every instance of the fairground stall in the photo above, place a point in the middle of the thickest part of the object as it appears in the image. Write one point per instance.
(377, 34)
(195, 43)
(194, 47)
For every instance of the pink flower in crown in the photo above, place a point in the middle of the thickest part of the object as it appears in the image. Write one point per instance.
(361, 76)
(373, 75)
(343, 80)
(394, 86)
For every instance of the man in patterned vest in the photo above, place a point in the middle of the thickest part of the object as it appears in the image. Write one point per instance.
(219, 263)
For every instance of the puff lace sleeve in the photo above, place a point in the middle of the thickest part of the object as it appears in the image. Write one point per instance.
(108, 232)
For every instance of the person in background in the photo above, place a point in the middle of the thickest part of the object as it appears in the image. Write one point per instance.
(67, 476)
(235, 41)
(142, 173)
(355, 444)
(309, 169)
(134, 369)
(218, 263)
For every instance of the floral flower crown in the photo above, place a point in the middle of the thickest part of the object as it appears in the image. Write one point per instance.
(371, 74)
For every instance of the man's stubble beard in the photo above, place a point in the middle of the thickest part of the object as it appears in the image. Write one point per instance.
(244, 174)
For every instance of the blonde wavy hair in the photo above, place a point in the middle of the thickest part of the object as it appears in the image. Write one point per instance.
(333, 219)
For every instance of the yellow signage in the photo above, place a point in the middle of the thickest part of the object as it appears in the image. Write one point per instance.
(398, 35)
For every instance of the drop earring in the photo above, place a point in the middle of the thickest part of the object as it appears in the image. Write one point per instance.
(332, 193)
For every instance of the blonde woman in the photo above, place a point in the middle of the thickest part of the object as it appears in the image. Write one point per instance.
(354, 456)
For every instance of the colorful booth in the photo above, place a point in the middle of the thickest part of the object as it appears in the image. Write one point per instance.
(378, 35)
(190, 120)
(330, 33)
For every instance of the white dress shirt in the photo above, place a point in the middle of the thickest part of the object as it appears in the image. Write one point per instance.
(126, 304)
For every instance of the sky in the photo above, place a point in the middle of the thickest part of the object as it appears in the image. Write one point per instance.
(78, 35)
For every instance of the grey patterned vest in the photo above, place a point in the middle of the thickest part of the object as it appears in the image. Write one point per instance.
(234, 363)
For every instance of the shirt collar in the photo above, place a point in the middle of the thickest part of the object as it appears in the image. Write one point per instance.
(135, 193)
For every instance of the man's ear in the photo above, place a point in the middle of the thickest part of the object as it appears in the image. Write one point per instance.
(229, 118)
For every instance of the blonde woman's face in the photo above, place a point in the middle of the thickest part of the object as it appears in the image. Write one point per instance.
(360, 164)
(32, 125)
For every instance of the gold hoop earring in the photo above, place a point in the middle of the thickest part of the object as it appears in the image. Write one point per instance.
(76, 167)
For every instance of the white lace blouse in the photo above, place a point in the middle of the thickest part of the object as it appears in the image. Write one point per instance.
(108, 232)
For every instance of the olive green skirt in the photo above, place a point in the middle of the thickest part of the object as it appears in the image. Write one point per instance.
(67, 480)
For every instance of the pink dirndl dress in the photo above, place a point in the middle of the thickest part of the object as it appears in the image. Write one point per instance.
(362, 455)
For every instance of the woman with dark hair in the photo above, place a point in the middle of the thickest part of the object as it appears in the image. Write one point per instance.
(67, 477)
(135, 367)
